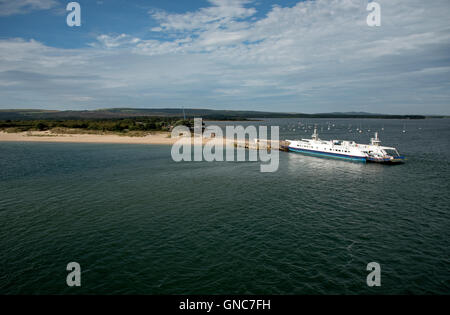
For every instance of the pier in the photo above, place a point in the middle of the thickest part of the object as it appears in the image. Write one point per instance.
(262, 144)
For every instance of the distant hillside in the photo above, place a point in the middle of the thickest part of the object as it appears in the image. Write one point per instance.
(208, 114)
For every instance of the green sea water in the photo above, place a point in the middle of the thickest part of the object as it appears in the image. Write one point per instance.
(139, 223)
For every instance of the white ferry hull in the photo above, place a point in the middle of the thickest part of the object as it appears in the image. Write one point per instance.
(396, 160)
(329, 154)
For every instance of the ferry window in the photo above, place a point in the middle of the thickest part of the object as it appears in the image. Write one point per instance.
(391, 152)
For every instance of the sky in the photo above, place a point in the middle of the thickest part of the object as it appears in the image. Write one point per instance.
(269, 55)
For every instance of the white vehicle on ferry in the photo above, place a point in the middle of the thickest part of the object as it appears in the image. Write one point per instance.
(349, 150)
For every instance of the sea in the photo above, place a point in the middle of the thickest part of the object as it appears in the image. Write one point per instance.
(138, 222)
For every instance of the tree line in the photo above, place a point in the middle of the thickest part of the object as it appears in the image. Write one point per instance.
(111, 125)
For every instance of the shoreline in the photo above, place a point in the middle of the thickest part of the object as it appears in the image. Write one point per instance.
(46, 136)
(158, 138)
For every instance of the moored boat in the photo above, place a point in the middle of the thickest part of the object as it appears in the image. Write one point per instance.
(348, 150)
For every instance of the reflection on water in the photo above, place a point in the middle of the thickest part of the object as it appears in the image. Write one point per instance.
(322, 166)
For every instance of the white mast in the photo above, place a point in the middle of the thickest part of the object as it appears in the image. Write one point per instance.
(315, 135)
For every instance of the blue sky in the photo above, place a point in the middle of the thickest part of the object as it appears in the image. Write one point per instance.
(292, 56)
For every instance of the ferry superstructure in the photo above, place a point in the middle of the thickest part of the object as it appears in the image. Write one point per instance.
(349, 150)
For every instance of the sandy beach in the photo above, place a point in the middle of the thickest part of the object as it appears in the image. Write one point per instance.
(46, 136)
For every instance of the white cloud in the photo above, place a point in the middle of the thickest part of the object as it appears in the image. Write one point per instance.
(121, 40)
(12, 7)
(315, 56)
(220, 13)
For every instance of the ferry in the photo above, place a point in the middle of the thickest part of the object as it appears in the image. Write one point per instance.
(348, 150)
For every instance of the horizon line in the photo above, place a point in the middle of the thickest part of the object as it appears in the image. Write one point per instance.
(210, 109)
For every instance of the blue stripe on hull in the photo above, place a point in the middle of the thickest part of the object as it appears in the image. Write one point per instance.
(331, 155)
